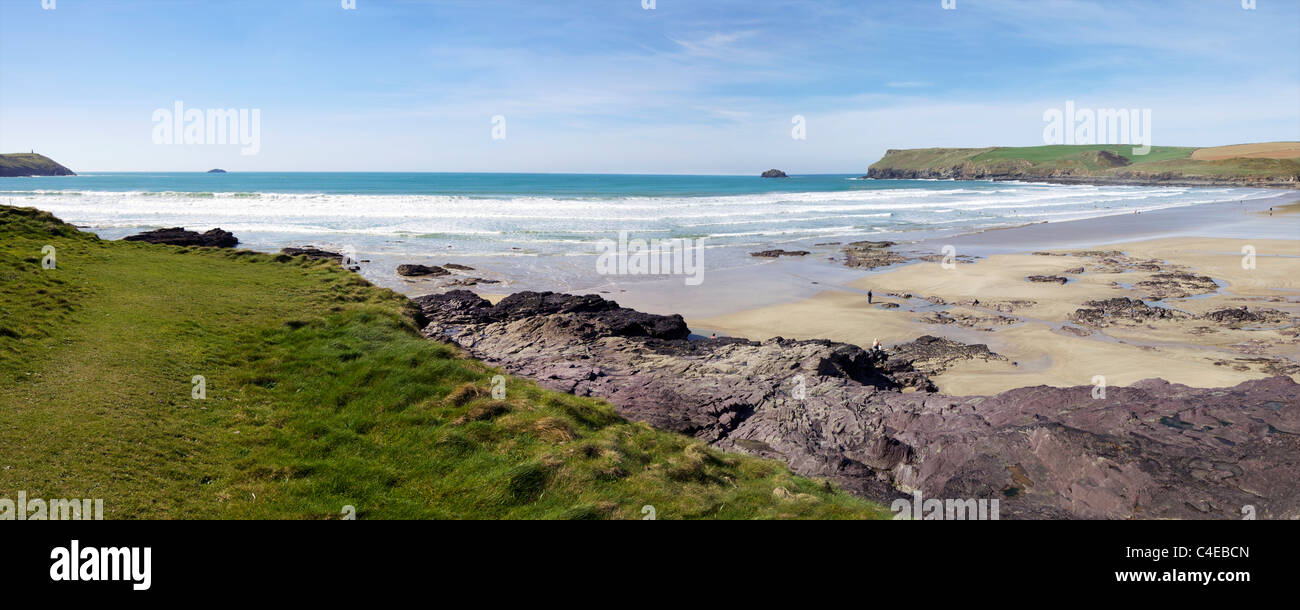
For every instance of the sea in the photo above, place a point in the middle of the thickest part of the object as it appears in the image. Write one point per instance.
(541, 231)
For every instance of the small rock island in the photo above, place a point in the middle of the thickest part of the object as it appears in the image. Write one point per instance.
(774, 173)
(217, 171)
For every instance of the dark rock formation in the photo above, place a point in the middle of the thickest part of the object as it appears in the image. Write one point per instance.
(933, 355)
(457, 267)
(774, 173)
(967, 320)
(871, 254)
(471, 281)
(1233, 316)
(217, 171)
(176, 236)
(1121, 310)
(313, 252)
(1047, 279)
(1177, 285)
(1151, 450)
(779, 253)
(1105, 158)
(598, 316)
(421, 271)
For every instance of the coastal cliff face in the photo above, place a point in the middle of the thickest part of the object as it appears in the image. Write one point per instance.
(1111, 165)
(870, 421)
(25, 164)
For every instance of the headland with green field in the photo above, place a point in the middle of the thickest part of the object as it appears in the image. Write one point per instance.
(1273, 164)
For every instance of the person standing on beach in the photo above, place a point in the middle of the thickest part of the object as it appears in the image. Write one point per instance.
(868, 297)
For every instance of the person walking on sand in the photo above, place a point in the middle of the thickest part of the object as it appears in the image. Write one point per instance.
(868, 297)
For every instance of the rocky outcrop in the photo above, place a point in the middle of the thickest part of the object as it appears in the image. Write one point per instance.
(1105, 158)
(977, 321)
(1047, 279)
(421, 271)
(216, 171)
(933, 355)
(176, 236)
(1121, 310)
(871, 254)
(598, 317)
(774, 173)
(313, 252)
(1151, 450)
(778, 253)
(471, 281)
(1176, 285)
(1235, 316)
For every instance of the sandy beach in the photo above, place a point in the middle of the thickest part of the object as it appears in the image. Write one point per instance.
(1184, 263)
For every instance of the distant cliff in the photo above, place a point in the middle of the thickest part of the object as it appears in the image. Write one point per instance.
(1275, 164)
(31, 164)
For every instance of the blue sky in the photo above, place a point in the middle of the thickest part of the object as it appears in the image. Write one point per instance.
(692, 86)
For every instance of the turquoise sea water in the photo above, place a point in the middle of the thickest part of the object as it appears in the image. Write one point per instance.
(530, 225)
(473, 185)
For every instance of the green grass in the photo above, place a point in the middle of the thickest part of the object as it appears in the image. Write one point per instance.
(1065, 153)
(320, 394)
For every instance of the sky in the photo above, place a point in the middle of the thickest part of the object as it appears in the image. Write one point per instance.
(627, 86)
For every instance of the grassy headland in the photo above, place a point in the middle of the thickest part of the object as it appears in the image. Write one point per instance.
(31, 164)
(320, 393)
(1099, 164)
